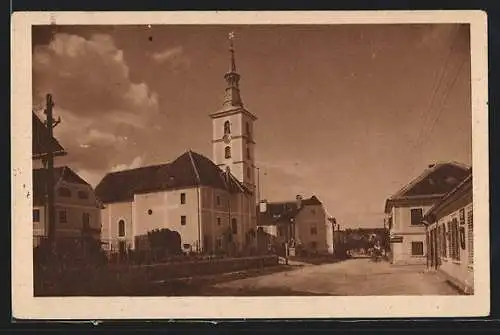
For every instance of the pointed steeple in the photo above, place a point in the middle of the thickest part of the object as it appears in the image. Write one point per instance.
(232, 96)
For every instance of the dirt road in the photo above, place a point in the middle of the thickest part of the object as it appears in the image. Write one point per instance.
(354, 277)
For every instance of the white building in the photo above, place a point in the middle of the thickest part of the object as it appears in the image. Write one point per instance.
(77, 211)
(211, 204)
(451, 238)
(406, 208)
(304, 224)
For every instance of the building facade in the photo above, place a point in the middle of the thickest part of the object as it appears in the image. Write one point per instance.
(208, 207)
(304, 225)
(77, 210)
(450, 235)
(210, 203)
(405, 210)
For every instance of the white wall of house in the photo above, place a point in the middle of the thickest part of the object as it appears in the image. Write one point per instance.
(196, 220)
(71, 210)
(111, 215)
(217, 216)
(459, 270)
(404, 252)
(313, 230)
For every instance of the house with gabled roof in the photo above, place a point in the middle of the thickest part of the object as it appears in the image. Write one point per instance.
(405, 209)
(76, 207)
(42, 142)
(208, 207)
(304, 224)
(450, 234)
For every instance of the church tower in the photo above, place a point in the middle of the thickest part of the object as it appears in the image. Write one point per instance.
(233, 125)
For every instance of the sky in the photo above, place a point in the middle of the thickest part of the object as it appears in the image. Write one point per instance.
(349, 113)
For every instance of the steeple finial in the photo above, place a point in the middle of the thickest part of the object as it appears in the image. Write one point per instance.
(232, 96)
(231, 49)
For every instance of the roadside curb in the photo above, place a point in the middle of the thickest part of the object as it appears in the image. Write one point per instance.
(227, 276)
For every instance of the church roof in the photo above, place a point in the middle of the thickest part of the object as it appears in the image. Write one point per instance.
(188, 170)
(40, 177)
(284, 211)
(42, 143)
(437, 180)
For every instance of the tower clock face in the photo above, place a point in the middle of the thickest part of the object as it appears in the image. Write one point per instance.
(227, 138)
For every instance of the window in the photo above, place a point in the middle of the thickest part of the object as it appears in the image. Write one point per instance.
(218, 200)
(218, 221)
(416, 216)
(62, 217)
(227, 127)
(64, 192)
(247, 129)
(249, 173)
(314, 230)
(314, 245)
(183, 198)
(449, 239)
(86, 221)
(248, 153)
(186, 246)
(455, 238)
(82, 195)
(183, 220)
(219, 243)
(234, 226)
(121, 228)
(443, 241)
(150, 211)
(470, 237)
(36, 215)
(417, 248)
(227, 152)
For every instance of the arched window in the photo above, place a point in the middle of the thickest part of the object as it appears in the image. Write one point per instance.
(227, 152)
(227, 127)
(121, 228)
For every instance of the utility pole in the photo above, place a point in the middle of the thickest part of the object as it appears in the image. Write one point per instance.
(51, 123)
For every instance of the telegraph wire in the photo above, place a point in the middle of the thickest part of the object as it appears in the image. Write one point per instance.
(445, 97)
(424, 116)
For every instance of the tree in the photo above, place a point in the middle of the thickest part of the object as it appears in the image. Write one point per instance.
(164, 242)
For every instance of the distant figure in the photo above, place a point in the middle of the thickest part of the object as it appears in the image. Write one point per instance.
(377, 251)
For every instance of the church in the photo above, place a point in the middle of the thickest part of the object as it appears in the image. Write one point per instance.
(210, 203)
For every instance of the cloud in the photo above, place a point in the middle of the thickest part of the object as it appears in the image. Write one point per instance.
(105, 114)
(174, 57)
(167, 54)
(89, 77)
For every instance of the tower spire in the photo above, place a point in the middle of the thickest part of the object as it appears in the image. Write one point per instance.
(231, 49)
(232, 96)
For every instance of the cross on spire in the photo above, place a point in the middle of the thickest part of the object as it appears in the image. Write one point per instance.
(231, 49)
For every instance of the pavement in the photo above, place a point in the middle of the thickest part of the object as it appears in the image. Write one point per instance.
(352, 277)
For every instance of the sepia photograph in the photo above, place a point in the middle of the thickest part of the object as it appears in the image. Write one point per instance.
(226, 155)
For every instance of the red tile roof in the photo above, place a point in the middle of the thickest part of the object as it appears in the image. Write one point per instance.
(188, 170)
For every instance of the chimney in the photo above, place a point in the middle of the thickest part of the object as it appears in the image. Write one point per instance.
(298, 198)
(263, 206)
